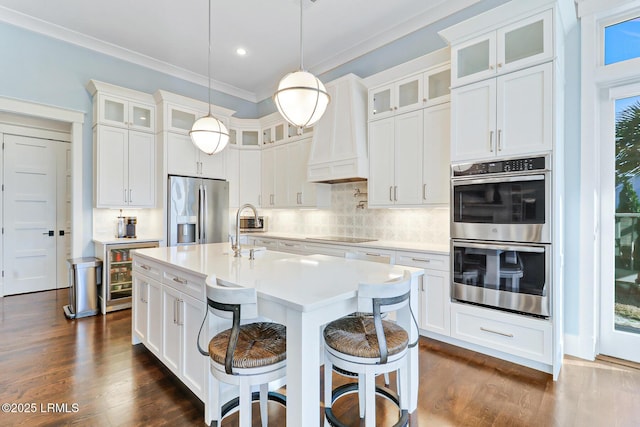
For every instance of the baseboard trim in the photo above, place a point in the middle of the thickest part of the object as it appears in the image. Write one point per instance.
(617, 361)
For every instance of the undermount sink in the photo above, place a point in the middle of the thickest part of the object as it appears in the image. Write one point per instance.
(343, 239)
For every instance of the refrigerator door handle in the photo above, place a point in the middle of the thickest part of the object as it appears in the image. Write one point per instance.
(204, 215)
(200, 208)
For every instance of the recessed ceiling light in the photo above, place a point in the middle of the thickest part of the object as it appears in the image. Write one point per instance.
(241, 51)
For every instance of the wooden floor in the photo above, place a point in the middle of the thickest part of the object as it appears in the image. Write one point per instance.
(85, 372)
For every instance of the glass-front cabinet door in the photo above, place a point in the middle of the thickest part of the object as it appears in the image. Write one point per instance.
(474, 60)
(437, 86)
(380, 102)
(512, 47)
(181, 120)
(121, 112)
(396, 98)
(526, 42)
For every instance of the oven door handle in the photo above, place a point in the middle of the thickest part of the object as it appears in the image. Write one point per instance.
(517, 248)
(494, 180)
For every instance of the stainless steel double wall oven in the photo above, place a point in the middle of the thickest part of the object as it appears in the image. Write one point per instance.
(501, 234)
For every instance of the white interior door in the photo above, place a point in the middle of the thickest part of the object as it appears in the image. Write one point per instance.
(63, 211)
(29, 215)
(620, 225)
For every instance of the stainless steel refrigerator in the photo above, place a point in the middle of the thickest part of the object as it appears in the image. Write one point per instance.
(198, 210)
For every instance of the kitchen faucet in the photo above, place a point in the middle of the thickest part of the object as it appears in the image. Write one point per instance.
(236, 246)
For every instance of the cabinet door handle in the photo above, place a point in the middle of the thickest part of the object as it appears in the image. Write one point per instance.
(130, 197)
(499, 139)
(372, 254)
(420, 260)
(491, 141)
(180, 280)
(175, 310)
(499, 64)
(391, 193)
(259, 200)
(125, 195)
(271, 199)
(180, 311)
(504, 334)
(424, 191)
(145, 267)
(491, 67)
(395, 193)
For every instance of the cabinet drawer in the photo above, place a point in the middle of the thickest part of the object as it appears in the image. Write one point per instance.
(292, 247)
(514, 334)
(326, 250)
(389, 256)
(147, 268)
(185, 282)
(267, 243)
(423, 260)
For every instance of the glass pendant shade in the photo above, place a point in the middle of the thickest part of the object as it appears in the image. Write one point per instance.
(209, 135)
(301, 98)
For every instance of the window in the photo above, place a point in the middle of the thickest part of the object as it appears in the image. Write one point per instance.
(622, 41)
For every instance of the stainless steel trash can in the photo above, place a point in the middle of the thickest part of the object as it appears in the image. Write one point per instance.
(85, 274)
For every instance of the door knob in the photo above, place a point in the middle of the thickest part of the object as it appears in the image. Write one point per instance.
(48, 233)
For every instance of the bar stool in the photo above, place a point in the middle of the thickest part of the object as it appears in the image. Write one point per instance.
(382, 259)
(246, 355)
(369, 346)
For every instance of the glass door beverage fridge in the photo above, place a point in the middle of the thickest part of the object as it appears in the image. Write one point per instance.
(116, 281)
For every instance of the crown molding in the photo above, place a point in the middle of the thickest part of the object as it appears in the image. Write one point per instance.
(57, 32)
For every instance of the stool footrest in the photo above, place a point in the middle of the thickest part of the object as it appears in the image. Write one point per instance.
(255, 396)
(353, 388)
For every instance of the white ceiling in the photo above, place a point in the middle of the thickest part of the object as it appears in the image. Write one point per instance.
(171, 35)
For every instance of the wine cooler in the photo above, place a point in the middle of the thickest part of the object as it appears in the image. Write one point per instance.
(117, 282)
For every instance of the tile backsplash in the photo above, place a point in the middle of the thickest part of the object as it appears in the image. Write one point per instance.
(345, 219)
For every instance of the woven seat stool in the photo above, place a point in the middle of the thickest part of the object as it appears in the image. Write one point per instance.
(370, 346)
(250, 353)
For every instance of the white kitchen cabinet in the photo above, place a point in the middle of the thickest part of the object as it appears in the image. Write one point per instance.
(395, 98)
(434, 292)
(504, 116)
(275, 133)
(521, 336)
(284, 177)
(125, 113)
(168, 309)
(182, 315)
(509, 48)
(183, 158)
(436, 154)
(125, 172)
(147, 312)
(140, 307)
(233, 175)
(268, 178)
(395, 160)
(250, 176)
(154, 327)
(180, 119)
(410, 93)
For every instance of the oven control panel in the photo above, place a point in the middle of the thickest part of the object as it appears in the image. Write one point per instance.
(500, 166)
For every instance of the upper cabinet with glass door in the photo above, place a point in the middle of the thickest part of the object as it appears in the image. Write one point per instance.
(125, 113)
(521, 44)
(411, 93)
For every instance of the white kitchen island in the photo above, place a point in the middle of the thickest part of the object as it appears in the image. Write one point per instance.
(302, 292)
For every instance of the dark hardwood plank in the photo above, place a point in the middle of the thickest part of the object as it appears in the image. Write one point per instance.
(46, 358)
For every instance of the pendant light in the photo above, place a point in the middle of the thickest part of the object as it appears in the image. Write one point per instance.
(208, 133)
(301, 97)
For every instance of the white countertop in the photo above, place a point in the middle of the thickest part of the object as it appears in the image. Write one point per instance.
(439, 248)
(107, 239)
(300, 282)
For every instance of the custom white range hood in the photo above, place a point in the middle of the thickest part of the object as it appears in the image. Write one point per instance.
(339, 147)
